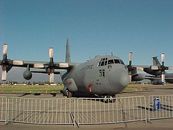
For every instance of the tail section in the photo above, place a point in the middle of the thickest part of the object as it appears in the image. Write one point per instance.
(67, 58)
(156, 62)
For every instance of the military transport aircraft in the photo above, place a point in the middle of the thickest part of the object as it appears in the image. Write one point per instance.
(102, 76)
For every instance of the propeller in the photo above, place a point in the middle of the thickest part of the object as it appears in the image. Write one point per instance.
(7, 63)
(4, 62)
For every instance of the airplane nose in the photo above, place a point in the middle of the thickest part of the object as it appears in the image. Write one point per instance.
(119, 77)
(124, 78)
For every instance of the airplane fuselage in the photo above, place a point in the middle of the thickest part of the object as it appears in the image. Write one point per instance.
(103, 75)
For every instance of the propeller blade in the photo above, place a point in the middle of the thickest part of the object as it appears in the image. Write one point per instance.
(51, 78)
(130, 58)
(130, 78)
(50, 52)
(63, 65)
(154, 67)
(170, 68)
(4, 49)
(162, 57)
(38, 65)
(18, 62)
(140, 68)
(163, 77)
(4, 75)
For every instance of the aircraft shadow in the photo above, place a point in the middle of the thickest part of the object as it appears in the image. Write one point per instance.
(162, 107)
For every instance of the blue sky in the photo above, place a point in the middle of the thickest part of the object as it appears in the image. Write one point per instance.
(94, 27)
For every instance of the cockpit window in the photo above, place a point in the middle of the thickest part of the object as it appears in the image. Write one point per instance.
(102, 63)
(116, 61)
(111, 61)
(105, 61)
(121, 62)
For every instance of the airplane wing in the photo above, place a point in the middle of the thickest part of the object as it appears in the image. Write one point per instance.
(152, 67)
(44, 65)
(49, 67)
(168, 79)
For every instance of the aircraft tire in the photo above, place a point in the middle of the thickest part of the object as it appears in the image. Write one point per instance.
(69, 94)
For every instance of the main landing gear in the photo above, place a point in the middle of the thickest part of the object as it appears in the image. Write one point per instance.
(69, 94)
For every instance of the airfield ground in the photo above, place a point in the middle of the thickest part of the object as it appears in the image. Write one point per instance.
(131, 90)
(45, 90)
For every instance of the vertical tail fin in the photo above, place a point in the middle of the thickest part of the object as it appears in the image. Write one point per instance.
(156, 62)
(67, 58)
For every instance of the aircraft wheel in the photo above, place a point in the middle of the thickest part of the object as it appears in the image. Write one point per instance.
(69, 94)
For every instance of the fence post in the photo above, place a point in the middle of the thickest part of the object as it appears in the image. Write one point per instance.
(73, 112)
(146, 117)
(7, 111)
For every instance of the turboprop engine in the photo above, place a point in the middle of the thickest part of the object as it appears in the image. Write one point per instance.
(27, 74)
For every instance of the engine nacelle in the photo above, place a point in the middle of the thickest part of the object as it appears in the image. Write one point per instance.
(138, 77)
(27, 75)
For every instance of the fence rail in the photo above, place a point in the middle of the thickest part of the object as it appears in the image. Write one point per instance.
(82, 111)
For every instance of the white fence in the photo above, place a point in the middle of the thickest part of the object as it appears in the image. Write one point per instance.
(3, 108)
(82, 111)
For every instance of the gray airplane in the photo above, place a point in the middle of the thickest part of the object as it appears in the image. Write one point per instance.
(103, 76)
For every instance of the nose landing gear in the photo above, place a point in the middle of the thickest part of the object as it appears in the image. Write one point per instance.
(109, 99)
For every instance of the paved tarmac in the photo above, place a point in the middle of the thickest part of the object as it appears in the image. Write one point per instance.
(166, 124)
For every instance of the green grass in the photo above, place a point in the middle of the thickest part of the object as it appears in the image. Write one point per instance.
(135, 87)
(33, 89)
